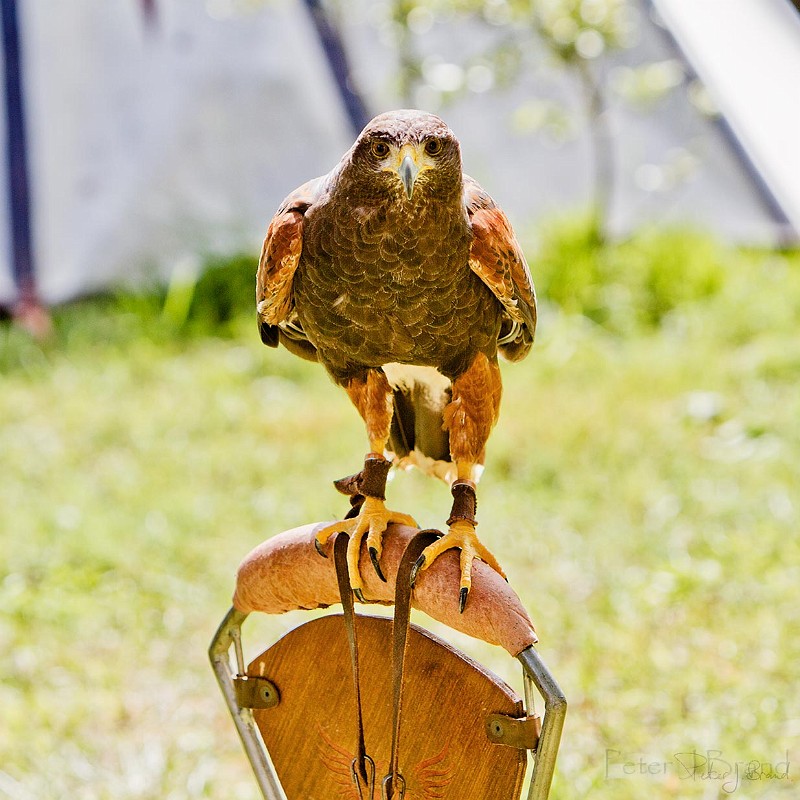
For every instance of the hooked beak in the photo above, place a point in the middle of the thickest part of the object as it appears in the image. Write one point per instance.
(408, 171)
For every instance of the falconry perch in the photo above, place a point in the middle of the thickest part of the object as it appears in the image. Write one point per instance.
(404, 279)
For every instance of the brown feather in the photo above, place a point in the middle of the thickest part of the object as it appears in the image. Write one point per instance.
(497, 259)
(280, 256)
(474, 409)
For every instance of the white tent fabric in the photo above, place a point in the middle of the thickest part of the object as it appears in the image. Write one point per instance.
(153, 149)
(748, 54)
(150, 147)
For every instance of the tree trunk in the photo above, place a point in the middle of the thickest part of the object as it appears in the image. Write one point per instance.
(602, 152)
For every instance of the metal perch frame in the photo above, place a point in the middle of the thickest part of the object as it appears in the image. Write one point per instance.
(535, 674)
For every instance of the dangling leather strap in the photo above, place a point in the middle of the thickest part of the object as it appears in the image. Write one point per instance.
(370, 482)
(393, 786)
(362, 767)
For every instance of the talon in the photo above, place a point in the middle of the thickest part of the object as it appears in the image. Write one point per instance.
(373, 557)
(359, 595)
(460, 536)
(372, 520)
(318, 548)
(418, 564)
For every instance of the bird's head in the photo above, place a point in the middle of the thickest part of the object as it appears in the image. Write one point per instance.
(409, 154)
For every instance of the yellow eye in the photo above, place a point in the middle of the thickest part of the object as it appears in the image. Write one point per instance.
(433, 147)
(380, 149)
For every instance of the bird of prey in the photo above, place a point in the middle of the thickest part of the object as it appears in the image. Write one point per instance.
(403, 278)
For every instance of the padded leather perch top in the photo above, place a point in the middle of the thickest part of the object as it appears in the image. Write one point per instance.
(286, 573)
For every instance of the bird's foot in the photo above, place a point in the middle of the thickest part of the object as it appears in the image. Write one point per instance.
(461, 534)
(372, 520)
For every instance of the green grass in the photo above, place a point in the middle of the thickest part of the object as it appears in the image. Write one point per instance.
(641, 489)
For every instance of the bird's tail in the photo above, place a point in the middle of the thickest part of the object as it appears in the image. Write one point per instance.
(417, 435)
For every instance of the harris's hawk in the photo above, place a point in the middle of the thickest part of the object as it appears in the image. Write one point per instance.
(403, 278)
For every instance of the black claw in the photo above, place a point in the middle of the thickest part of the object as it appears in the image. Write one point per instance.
(359, 595)
(462, 599)
(418, 564)
(318, 548)
(373, 557)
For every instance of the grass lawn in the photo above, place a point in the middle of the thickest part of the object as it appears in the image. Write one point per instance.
(641, 489)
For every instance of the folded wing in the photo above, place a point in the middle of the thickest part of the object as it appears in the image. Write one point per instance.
(497, 259)
(280, 255)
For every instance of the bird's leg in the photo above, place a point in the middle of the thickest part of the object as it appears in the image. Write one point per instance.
(469, 418)
(372, 396)
(460, 534)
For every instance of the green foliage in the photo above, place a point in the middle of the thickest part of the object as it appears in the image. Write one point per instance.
(217, 301)
(198, 300)
(578, 30)
(575, 32)
(630, 284)
(645, 85)
(224, 291)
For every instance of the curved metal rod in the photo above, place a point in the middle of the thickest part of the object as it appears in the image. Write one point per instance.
(555, 710)
(227, 635)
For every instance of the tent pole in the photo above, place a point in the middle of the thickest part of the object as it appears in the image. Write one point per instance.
(28, 310)
(333, 47)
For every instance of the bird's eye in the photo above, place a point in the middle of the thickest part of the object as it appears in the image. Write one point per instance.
(380, 149)
(433, 147)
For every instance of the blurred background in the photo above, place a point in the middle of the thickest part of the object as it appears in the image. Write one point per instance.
(641, 486)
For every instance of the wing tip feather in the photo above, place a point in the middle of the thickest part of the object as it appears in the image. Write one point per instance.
(269, 334)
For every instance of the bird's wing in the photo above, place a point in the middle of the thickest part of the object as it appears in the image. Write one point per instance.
(496, 257)
(280, 256)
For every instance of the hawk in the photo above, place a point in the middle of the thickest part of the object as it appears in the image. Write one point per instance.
(403, 278)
